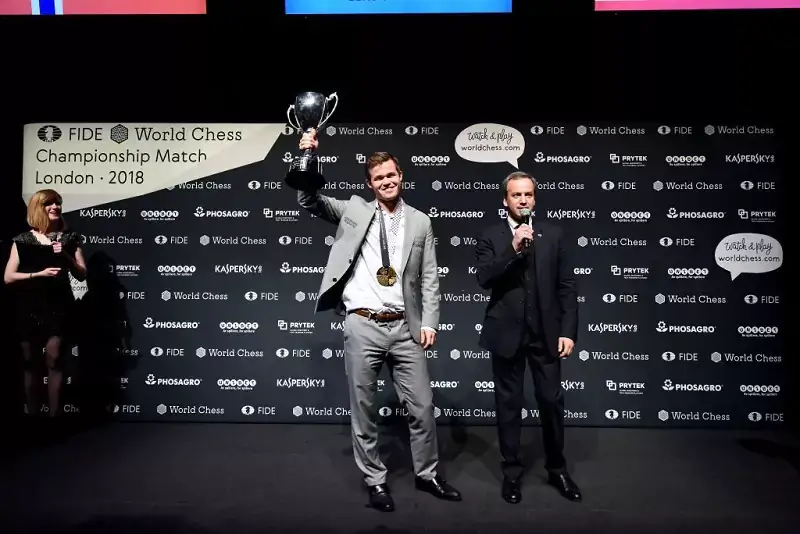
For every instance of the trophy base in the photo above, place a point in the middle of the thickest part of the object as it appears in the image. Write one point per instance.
(305, 174)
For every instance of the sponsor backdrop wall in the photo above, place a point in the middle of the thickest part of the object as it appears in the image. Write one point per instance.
(205, 270)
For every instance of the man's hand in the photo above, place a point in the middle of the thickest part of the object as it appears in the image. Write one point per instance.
(309, 140)
(57, 248)
(521, 234)
(565, 346)
(427, 338)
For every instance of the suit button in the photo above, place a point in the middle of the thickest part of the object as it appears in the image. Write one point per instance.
(350, 260)
(334, 279)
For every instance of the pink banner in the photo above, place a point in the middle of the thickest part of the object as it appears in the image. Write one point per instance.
(679, 5)
(104, 7)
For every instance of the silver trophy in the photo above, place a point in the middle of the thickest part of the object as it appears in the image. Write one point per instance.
(310, 110)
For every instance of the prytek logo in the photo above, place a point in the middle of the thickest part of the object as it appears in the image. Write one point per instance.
(436, 213)
(430, 161)
(669, 385)
(631, 273)
(757, 331)
(96, 213)
(171, 325)
(176, 270)
(125, 270)
(685, 161)
(750, 158)
(625, 388)
(571, 214)
(630, 216)
(242, 268)
(664, 328)
(281, 215)
(221, 214)
(687, 273)
(541, 158)
(286, 268)
(672, 213)
(613, 328)
(757, 216)
(628, 161)
(159, 215)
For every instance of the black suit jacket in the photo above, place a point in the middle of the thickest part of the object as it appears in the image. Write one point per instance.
(499, 269)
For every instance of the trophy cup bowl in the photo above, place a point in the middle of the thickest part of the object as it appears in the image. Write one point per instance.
(309, 111)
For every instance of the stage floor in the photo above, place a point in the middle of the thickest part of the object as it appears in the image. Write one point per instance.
(125, 478)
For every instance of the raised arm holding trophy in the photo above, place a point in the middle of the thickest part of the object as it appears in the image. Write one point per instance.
(382, 271)
(310, 112)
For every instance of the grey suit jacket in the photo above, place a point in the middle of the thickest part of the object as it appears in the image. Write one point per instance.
(420, 270)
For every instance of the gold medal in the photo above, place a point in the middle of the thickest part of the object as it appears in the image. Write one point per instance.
(386, 276)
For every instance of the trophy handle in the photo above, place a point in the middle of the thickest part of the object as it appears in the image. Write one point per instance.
(335, 98)
(296, 123)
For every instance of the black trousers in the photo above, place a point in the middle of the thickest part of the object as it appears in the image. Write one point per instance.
(509, 374)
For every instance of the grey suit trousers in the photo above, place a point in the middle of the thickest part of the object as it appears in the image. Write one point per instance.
(367, 346)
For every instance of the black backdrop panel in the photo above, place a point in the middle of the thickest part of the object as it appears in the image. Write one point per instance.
(204, 275)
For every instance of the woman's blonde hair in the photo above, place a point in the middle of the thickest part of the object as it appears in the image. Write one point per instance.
(37, 216)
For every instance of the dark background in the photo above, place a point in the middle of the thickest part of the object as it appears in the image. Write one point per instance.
(244, 62)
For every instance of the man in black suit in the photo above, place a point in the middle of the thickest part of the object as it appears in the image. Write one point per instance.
(532, 317)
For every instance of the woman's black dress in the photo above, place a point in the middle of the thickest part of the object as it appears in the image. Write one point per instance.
(43, 306)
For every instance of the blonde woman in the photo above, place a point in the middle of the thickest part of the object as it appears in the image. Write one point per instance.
(38, 272)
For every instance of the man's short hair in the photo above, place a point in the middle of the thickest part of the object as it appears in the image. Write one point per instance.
(516, 176)
(378, 158)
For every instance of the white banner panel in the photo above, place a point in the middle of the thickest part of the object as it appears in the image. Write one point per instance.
(92, 164)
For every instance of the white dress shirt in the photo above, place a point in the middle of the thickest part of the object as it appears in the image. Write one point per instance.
(363, 289)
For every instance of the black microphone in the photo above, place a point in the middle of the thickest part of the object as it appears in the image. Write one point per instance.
(526, 219)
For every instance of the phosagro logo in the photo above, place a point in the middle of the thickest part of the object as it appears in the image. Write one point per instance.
(672, 213)
(669, 385)
(541, 158)
(664, 328)
(220, 214)
(430, 161)
(172, 325)
(286, 268)
(436, 213)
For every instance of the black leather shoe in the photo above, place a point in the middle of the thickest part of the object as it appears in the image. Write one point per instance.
(380, 499)
(438, 488)
(511, 491)
(565, 486)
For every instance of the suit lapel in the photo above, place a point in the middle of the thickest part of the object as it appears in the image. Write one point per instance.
(409, 232)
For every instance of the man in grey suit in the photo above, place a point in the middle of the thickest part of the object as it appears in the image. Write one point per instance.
(382, 270)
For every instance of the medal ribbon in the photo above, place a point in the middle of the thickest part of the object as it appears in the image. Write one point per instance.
(384, 243)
